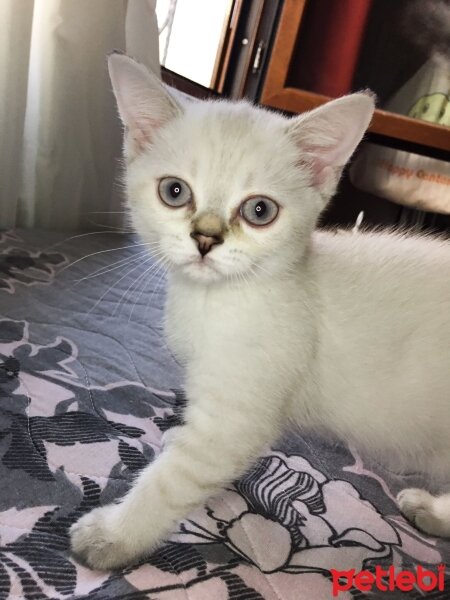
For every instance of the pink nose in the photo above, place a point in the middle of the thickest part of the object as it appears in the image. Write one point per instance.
(206, 242)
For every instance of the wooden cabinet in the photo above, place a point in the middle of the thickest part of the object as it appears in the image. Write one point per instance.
(279, 90)
(282, 89)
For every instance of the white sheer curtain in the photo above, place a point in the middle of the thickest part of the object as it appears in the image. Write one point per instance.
(59, 132)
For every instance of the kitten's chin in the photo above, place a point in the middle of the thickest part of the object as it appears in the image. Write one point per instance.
(202, 271)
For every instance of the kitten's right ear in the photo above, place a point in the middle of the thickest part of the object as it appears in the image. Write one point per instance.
(327, 136)
(143, 102)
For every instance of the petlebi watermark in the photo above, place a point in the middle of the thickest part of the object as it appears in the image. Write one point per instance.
(388, 580)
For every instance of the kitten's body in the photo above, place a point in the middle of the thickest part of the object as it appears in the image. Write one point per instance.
(384, 350)
(345, 333)
(358, 331)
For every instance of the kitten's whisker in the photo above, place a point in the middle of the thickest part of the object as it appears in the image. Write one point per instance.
(262, 269)
(153, 267)
(166, 265)
(111, 287)
(112, 227)
(103, 252)
(151, 271)
(241, 277)
(74, 237)
(254, 273)
(113, 266)
(107, 212)
(153, 252)
(122, 299)
(146, 281)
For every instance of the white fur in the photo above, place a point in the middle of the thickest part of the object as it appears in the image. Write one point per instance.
(347, 333)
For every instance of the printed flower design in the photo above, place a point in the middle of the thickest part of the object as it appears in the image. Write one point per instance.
(47, 408)
(286, 516)
(66, 446)
(19, 265)
(24, 564)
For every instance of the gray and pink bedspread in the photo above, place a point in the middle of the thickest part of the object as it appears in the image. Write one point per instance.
(87, 388)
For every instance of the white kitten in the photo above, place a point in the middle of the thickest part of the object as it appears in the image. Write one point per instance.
(347, 333)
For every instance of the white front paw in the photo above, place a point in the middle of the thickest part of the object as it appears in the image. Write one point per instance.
(99, 539)
(413, 500)
(418, 506)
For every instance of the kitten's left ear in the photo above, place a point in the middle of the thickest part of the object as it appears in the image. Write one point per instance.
(143, 101)
(327, 137)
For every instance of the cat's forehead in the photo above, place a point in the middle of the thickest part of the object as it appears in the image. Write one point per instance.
(221, 146)
(232, 129)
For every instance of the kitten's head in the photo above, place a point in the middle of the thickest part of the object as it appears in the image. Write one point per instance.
(227, 190)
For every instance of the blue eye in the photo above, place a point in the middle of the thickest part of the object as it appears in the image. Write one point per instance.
(259, 210)
(174, 192)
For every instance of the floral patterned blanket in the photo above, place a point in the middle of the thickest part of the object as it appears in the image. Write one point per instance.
(87, 388)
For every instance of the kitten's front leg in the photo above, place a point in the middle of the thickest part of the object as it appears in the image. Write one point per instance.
(219, 441)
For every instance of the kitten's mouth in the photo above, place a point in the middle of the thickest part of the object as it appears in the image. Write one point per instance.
(202, 261)
(202, 268)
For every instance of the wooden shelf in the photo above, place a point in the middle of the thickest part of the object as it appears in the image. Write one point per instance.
(277, 93)
(384, 123)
